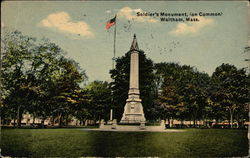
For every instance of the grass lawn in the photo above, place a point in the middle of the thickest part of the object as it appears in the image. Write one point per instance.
(76, 143)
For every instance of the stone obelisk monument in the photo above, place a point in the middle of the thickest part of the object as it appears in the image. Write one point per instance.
(133, 110)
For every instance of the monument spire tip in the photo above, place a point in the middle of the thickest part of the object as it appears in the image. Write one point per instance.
(134, 45)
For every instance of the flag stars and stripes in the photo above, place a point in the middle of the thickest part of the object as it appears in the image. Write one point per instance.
(110, 23)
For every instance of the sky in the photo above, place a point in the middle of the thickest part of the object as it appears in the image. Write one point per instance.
(78, 27)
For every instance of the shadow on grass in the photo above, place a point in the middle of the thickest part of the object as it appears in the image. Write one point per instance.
(76, 143)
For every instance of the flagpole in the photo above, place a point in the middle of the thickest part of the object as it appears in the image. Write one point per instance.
(113, 65)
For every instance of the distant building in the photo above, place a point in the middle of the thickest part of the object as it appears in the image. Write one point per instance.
(29, 120)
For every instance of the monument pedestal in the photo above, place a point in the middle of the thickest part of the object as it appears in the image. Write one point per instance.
(133, 113)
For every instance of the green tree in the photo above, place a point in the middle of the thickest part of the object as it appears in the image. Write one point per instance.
(63, 90)
(17, 52)
(195, 92)
(45, 68)
(231, 90)
(35, 75)
(169, 100)
(183, 91)
(99, 93)
(81, 104)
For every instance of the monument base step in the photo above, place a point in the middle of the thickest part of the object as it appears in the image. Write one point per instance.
(132, 128)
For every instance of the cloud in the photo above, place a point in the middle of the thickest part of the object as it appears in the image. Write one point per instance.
(62, 22)
(192, 27)
(130, 14)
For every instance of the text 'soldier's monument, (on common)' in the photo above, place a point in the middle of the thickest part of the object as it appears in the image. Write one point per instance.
(133, 110)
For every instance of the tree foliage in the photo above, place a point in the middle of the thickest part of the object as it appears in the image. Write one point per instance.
(187, 94)
(183, 94)
(230, 91)
(36, 77)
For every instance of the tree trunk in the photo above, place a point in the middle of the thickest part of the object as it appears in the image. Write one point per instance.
(238, 121)
(168, 122)
(172, 122)
(19, 121)
(231, 119)
(195, 117)
(42, 122)
(182, 122)
(53, 121)
(19, 117)
(34, 118)
(60, 120)
(66, 119)
(14, 122)
(194, 120)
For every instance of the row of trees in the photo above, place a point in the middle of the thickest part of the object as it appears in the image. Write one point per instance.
(39, 79)
(193, 95)
(171, 91)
